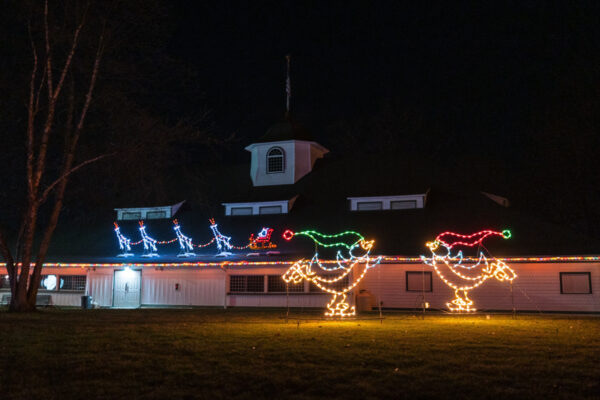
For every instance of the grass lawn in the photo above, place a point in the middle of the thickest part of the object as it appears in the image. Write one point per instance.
(196, 353)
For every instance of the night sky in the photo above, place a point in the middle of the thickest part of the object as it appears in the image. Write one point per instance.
(502, 97)
(482, 71)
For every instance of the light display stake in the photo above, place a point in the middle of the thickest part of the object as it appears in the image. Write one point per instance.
(149, 243)
(124, 243)
(468, 276)
(186, 248)
(222, 241)
(262, 241)
(346, 267)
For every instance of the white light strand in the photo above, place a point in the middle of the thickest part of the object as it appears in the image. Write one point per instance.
(150, 249)
(222, 241)
(494, 269)
(186, 248)
(303, 270)
(124, 243)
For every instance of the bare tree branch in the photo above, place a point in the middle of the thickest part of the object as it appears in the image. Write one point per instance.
(31, 114)
(61, 80)
(67, 170)
(61, 183)
(24, 286)
(39, 92)
(48, 53)
(53, 94)
(44, 196)
(88, 96)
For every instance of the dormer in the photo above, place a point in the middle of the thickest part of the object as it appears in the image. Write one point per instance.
(283, 155)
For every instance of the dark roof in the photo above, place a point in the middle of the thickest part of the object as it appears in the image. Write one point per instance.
(332, 178)
(322, 205)
(287, 129)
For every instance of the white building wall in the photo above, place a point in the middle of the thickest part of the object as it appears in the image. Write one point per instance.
(300, 157)
(258, 165)
(306, 300)
(100, 286)
(537, 288)
(197, 287)
(61, 298)
(303, 159)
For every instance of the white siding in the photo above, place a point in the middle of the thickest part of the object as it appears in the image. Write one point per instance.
(537, 287)
(300, 157)
(100, 286)
(278, 300)
(61, 298)
(197, 287)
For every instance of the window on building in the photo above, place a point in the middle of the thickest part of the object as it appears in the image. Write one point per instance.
(247, 283)
(237, 283)
(156, 214)
(241, 211)
(263, 210)
(4, 282)
(275, 160)
(575, 282)
(277, 285)
(72, 282)
(419, 281)
(48, 282)
(403, 204)
(132, 215)
(369, 205)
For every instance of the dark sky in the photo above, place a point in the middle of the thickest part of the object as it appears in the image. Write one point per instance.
(491, 84)
(475, 68)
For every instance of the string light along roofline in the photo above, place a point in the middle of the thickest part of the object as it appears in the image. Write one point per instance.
(392, 260)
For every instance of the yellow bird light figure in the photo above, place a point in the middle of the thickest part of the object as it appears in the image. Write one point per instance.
(462, 277)
(353, 268)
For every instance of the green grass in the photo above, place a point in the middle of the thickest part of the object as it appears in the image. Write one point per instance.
(214, 354)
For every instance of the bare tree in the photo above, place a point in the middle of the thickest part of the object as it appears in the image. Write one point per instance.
(46, 94)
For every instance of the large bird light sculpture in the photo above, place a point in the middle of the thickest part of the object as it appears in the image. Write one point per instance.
(461, 276)
(339, 277)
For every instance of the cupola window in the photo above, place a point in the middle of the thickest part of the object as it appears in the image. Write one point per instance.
(275, 160)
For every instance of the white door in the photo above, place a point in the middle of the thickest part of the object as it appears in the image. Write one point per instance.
(127, 289)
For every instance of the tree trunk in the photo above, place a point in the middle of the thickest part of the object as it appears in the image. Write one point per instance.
(24, 284)
(19, 303)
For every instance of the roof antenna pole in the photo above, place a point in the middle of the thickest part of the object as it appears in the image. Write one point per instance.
(288, 87)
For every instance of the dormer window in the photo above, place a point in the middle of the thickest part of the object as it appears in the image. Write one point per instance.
(275, 160)
(401, 202)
